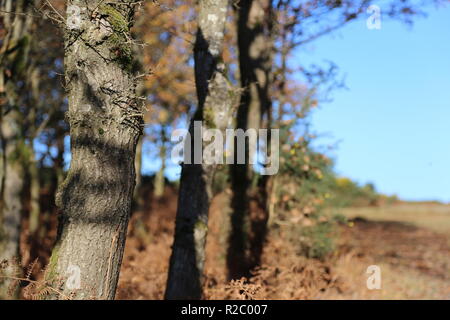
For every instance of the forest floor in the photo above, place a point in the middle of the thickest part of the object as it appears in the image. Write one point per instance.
(409, 242)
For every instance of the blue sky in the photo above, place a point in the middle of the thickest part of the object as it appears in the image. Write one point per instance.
(392, 124)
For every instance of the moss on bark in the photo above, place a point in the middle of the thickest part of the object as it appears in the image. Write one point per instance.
(120, 46)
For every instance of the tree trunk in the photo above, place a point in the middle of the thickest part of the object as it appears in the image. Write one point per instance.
(59, 160)
(255, 62)
(105, 124)
(215, 101)
(12, 201)
(35, 188)
(159, 178)
(34, 131)
(138, 165)
(13, 62)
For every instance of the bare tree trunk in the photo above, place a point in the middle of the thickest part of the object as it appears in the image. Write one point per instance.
(255, 62)
(105, 124)
(12, 200)
(13, 62)
(159, 178)
(215, 102)
(138, 166)
(35, 188)
(33, 170)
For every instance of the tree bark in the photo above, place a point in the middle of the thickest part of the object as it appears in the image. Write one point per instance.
(59, 160)
(215, 102)
(105, 124)
(13, 63)
(255, 62)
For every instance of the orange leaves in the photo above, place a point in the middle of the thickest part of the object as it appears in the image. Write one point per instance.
(167, 32)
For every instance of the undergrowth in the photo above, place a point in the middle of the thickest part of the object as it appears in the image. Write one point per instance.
(12, 275)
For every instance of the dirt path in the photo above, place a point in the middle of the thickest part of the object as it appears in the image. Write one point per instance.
(414, 260)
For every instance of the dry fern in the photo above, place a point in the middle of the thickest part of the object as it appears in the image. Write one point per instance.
(32, 289)
(243, 290)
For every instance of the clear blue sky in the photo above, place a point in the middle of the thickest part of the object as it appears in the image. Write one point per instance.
(393, 121)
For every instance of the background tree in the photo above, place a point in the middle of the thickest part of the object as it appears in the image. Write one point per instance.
(215, 102)
(17, 20)
(255, 46)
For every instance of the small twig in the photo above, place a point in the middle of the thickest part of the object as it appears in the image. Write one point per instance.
(20, 13)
